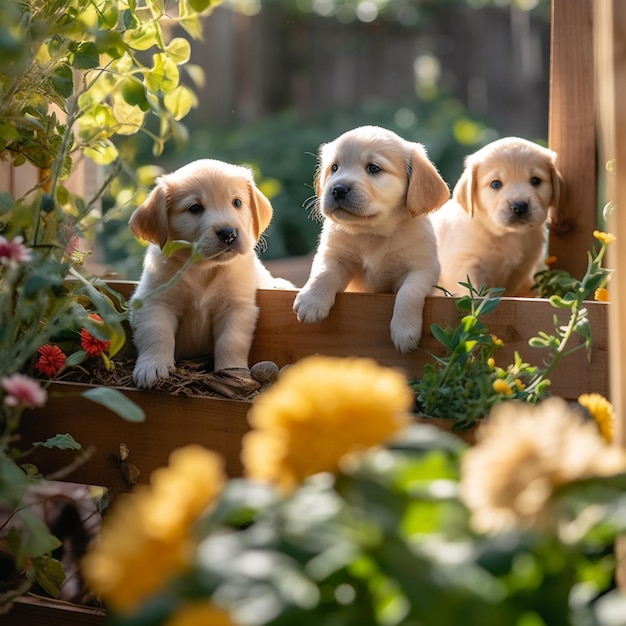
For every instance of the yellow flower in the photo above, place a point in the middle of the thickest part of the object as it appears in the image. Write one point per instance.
(321, 409)
(147, 537)
(519, 384)
(522, 454)
(491, 362)
(605, 238)
(199, 613)
(501, 386)
(497, 341)
(602, 412)
(602, 294)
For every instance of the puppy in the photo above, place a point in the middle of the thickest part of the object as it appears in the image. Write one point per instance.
(375, 190)
(494, 228)
(211, 308)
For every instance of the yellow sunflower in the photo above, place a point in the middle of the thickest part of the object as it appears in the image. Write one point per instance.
(522, 454)
(321, 409)
(147, 537)
(602, 412)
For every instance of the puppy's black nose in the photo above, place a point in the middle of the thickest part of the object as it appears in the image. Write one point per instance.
(227, 235)
(340, 191)
(519, 207)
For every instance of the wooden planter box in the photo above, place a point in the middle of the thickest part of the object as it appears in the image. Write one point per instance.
(357, 326)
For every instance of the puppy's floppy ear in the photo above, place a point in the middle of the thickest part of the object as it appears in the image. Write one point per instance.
(465, 189)
(321, 170)
(558, 188)
(261, 210)
(427, 191)
(149, 221)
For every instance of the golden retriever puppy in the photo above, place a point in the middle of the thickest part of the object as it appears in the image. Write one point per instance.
(494, 229)
(211, 308)
(375, 191)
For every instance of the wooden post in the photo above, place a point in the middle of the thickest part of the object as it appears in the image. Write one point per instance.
(610, 59)
(611, 88)
(572, 132)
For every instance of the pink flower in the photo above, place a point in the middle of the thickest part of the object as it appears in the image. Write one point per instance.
(13, 251)
(51, 361)
(90, 344)
(21, 389)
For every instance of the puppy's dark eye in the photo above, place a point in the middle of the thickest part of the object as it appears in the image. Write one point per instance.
(334, 167)
(535, 181)
(372, 168)
(496, 184)
(195, 208)
(237, 203)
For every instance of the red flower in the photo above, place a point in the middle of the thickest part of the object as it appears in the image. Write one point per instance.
(90, 344)
(51, 361)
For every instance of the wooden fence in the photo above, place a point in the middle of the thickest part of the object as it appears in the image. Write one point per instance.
(279, 59)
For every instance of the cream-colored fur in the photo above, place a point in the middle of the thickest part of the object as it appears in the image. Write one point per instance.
(375, 191)
(211, 309)
(494, 228)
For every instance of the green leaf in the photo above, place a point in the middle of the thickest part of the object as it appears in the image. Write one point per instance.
(560, 303)
(440, 335)
(171, 247)
(134, 92)
(48, 573)
(143, 37)
(39, 540)
(201, 5)
(117, 402)
(179, 50)
(61, 442)
(86, 56)
(6, 201)
(110, 42)
(75, 358)
(164, 75)
(102, 152)
(62, 81)
(180, 101)
(13, 481)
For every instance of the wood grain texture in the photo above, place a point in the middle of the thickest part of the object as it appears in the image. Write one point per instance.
(572, 131)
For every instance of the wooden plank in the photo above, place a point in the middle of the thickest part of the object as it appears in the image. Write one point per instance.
(359, 326)
(171, 422)
(31, 610)
(572, 131)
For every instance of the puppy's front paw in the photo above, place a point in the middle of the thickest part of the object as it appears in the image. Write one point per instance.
(405, 336)
(147, 372)
(310, 307)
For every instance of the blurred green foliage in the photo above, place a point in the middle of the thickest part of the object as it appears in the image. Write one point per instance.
(282, 150)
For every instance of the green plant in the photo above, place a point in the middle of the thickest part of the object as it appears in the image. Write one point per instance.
(465, 383)
(73, 75)
(412, 527)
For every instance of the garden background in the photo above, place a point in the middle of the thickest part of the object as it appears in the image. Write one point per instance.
(282, 77)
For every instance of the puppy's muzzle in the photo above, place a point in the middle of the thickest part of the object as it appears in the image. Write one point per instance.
(519, 207)
(340, 191)
(227, 235)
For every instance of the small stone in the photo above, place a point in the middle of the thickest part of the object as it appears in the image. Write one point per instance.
(265, 372)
